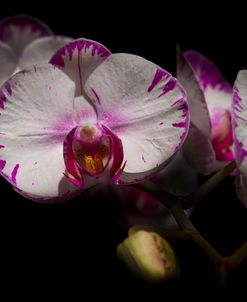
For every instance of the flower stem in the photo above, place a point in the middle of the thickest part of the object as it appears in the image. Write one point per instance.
(222, 265)
(208, 186)
(187, 226)
(235, 260)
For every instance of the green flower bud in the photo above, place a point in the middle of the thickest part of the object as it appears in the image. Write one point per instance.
(149, 256)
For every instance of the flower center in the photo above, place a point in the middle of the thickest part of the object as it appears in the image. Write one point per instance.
(91, 152)
(222, 137)
(93, 163)
(91, 148)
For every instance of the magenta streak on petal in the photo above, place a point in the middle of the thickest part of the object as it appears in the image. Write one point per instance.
(80, 45)
(160, 73)
(2, 99)
(22, 22)
(96, 96)
(237, 100)
(178, 102)
(143, 159)
(185, 114)
(207, 73)
(14, 173)
(161, 123)
(2, 164)
(8, 88)
(179, 125)
(169, 86)
(240, 150)
(2, 146)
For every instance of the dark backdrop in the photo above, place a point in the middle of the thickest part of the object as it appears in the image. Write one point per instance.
(69, 248)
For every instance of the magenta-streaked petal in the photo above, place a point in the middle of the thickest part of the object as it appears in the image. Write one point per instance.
(36, 117)
(144, 106)
(19, 31)
(208, 74)
(199, 152)
(8, 63)
(217, 90)
(41, 50)
(199, 114)
(78, 59)
(239, 125)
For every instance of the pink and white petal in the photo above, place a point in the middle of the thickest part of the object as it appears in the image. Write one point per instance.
(219, 99)
(8, 63)
(144, 106)
(217, 90)
(41, 50)
(37, 115)
(239, 124)
(19, 31)
(198, 151)
(78, 59)
(199, 114)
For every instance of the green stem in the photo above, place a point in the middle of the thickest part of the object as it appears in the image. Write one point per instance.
(187, 226)
(236, 259)
(208, 186)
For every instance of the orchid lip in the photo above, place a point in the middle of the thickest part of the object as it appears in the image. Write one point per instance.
(89, 151)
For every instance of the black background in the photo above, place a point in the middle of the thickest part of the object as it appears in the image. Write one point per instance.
(69, 249)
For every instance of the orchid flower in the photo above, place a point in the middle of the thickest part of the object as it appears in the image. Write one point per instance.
(95, 117)
(25, 41)
(239, 123)
(209, 143)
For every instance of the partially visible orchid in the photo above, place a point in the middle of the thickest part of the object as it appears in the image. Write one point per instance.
(25, 41)
(209, 143)
(239, 123)
(95, 117)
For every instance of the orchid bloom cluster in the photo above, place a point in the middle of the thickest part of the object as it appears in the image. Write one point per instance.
(74, 115)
